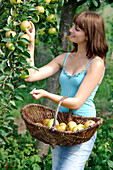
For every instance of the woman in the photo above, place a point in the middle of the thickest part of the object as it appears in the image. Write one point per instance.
(82, 71)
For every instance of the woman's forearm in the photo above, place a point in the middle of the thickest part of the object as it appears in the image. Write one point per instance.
(31, 52)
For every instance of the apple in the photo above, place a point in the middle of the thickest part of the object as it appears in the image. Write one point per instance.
(70, 125)
(15, 1)
(10, 32)
(61, 126)
(89, 123)
(78, 127)
(50, 18)
(40, 8)
(26, 36)
(24, 75)
(42, 31)
(47, 1)
(38, 123)
(45, 121)
(52, 30)
(25, 25)
(50, 123)
(10, 46)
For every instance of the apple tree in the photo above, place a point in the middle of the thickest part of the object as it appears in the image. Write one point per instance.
(14, 56)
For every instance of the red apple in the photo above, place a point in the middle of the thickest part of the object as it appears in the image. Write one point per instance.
(25, 25)
(45, 121)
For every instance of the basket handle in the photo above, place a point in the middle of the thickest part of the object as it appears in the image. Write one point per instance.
(56, 113)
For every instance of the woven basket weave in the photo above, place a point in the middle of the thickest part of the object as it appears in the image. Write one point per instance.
(33, 113)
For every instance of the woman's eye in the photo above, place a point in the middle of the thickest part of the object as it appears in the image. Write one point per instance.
(76, 29)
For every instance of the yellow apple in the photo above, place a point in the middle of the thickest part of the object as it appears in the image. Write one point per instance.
(10, 46)
(40, 8)
(10, 32)
(38, 123)
(15, 1)
(50, 123)
(70, 125)
(24, 74)
(47, 1)
(88, 123)
(78, 127)
(25, 25)
(42, 31)
(52, 30)
(61, 126)
(26, 36)
(45, 122)
(50, 18)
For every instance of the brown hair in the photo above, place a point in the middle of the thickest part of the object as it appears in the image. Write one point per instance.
(93, 26)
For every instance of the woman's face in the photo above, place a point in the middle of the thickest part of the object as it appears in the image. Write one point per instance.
(77, 35)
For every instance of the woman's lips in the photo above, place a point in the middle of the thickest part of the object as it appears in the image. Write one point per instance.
(72, 36)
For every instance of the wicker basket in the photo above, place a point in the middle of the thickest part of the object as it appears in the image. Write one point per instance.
(33, 113)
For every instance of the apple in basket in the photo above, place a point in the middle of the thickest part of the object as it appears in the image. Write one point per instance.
(70, 125)
(61, 126)
(50, 123)
(89, 123)
(78, 127)
(38, 123)
(45, 121)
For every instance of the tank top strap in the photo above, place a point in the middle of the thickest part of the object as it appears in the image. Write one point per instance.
(65, 58)
(91, 62)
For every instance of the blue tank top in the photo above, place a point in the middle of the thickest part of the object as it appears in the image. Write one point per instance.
(69, 86)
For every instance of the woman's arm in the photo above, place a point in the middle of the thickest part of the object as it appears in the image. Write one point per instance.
(93, 76)
(47, 70)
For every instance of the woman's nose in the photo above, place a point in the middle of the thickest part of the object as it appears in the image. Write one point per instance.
(71, 29)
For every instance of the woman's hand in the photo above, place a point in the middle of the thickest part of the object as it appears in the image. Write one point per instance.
(37, 94)
(31, 33)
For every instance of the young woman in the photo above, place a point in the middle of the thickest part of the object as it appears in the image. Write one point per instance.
(82, 71)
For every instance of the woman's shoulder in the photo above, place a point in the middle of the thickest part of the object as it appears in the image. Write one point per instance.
(60, 58)
(96, 63)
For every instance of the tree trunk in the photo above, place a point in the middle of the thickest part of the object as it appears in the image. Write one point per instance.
(68, 11)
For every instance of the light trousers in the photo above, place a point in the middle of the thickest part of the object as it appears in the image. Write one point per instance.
(72, 157)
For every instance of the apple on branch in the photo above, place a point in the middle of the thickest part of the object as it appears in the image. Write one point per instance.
(47, 1)
(25, 25)
(10, 46)
(50, 18)
(10, 32)
(52, 30)
(15, 1)
(40, 8)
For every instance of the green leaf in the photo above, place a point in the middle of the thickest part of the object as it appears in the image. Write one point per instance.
(6, 39)
(22, 86)
(10, 85)
(33, 9)
(3, 131)
(2, 78)
(2, 140)
(95, 3)
(19, 97)
(9, 117)
(6, 126)
(26, 54)
(23, 40)
(110, 163)
(7, 28)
